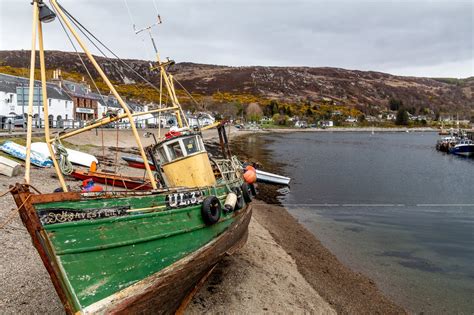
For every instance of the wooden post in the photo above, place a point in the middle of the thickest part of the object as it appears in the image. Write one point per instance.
(46, 108)
(31, 92)
(112, 89)
(179, 111)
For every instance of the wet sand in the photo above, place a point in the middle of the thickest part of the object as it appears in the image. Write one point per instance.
(283, 268)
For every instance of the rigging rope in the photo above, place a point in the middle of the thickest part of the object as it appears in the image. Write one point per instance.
(129, 14)
(83, 29)
(80, 58)
(187, 92)
(156, 8)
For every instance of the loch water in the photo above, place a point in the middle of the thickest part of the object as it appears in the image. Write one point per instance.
(388, 205)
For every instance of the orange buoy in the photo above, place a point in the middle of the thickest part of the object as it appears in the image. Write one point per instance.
(250, 177)
(250, 168)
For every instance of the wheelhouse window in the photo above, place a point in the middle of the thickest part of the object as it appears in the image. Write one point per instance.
(162, 154)
(191, 145)
(175, 150)
(181, 147)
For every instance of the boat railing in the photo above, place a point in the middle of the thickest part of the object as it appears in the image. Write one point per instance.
(230, 170)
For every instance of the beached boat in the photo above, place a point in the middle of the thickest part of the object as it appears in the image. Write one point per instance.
(115, 180)
(271, 178)
(21, 152)
(8, 167)
(134, 251)
(74, 156)
(137, 162)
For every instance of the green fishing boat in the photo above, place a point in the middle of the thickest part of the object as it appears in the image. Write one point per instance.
(136, 251)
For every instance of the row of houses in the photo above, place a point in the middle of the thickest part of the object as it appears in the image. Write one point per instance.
(70, 104)
(73, 104)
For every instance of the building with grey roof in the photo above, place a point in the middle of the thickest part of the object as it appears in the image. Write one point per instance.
(14, 95)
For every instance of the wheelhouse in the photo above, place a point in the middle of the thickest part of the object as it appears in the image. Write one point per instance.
(184, 161)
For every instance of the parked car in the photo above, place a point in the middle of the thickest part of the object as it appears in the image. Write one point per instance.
(11, 122)
(19, 121)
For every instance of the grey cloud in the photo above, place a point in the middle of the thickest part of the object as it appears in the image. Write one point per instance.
(395, 36)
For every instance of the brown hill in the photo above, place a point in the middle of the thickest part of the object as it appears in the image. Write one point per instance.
(367, 90)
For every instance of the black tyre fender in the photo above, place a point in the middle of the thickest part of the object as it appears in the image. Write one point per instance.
(211, 210)
(240, 198)
(246, 193)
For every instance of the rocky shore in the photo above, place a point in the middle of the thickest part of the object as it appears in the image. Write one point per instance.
(283, 268)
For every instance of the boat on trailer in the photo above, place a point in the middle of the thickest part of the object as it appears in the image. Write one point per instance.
(134, 251)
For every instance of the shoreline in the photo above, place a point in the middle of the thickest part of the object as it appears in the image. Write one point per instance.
(344, 129)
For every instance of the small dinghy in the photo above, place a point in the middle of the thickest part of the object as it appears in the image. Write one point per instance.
(8, 167)
(137, 162)
(115, 180)
(19, 151)
(75, 157)
(270, 178)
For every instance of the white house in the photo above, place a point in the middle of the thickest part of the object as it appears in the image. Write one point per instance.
(14, 95)
(200, 119)
(301, 124)
(351, 119)
(326, 123)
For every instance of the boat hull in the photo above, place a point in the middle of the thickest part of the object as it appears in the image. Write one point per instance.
(463, 150)
(137, 162)
(164, 292)
(19, 152)
(127, 251)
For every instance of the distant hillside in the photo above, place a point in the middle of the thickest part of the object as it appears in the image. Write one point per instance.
(368, 91)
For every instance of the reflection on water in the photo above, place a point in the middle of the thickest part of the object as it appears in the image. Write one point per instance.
(388, 205)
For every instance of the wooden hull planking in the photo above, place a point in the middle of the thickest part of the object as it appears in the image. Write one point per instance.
(134, 252)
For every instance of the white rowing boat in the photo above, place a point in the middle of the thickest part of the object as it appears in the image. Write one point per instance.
(270, 178)
(74, 156)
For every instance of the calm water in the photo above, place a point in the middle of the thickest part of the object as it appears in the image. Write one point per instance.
(388, 205)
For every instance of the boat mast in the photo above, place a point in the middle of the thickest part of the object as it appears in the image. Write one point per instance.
(46, 109)
(31, 91)
(112, 89)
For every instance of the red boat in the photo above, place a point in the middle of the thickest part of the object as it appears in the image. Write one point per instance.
(137, 162)
(128, 182)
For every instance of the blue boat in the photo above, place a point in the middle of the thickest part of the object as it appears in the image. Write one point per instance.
(19, 151)
(464, 147)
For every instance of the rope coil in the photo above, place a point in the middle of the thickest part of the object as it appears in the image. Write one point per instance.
(62, 156)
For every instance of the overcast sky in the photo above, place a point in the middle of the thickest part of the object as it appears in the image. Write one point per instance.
(406, 37)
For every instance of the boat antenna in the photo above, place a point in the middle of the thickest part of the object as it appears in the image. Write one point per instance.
(148, 28)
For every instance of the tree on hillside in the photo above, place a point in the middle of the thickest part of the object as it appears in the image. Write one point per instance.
(280, 119)
(395, 104)
(402, 117)
(271, 109)
(254, 112)
(240, 109)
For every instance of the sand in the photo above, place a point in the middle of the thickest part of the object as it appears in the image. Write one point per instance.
(283, 268)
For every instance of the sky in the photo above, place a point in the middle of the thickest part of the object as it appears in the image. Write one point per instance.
(432, 38)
